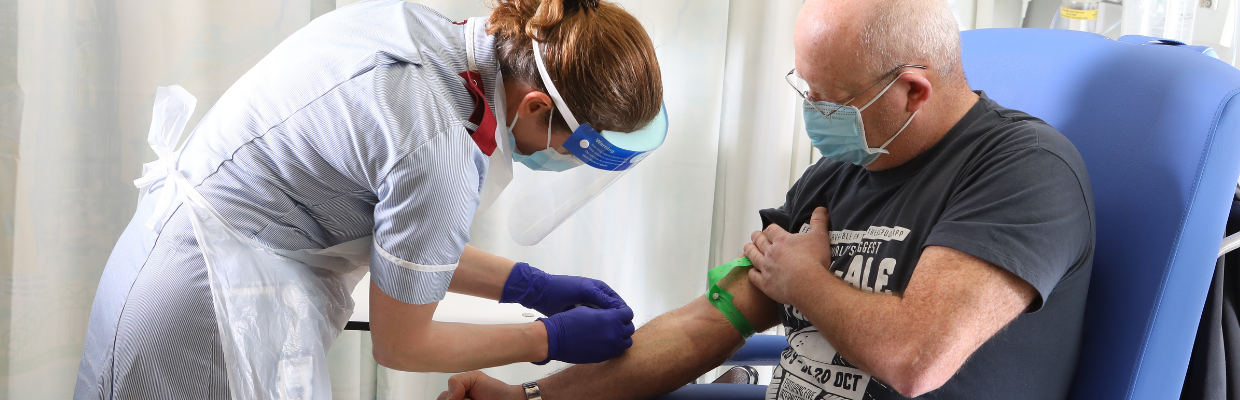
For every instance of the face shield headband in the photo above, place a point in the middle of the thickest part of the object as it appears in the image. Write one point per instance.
(605, 150)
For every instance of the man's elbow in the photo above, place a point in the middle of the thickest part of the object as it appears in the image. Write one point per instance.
(918, 384)
(915, 377)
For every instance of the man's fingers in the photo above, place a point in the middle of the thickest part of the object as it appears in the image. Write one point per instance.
(774, 232)
(755, 256)
(456, 388)
(467, 381)
(759, 239)
(818, 221)
(757, 279)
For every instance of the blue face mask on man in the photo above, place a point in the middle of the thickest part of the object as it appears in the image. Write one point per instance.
(840, 133)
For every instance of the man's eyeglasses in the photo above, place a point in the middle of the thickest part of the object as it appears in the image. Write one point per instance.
(805, 94)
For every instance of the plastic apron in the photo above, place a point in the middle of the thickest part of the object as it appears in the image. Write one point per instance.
(277, 311)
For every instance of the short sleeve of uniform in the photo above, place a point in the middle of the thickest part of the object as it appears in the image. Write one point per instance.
(1023, 210)
(425, 206)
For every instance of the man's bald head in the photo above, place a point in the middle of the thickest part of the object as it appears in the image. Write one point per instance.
(873, 37)
(846, 51)
(913, 32)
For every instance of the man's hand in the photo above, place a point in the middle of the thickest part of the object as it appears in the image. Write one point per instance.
(478, 386)
(786, 265)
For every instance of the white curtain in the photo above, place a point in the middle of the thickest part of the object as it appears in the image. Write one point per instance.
(762, 144)
(76, 84)
(77, 79)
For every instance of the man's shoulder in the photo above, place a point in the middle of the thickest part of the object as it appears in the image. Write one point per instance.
(1005, 131)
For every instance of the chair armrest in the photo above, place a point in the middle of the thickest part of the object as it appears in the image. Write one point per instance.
(1229, 243)
(759, 350)
(717, 391)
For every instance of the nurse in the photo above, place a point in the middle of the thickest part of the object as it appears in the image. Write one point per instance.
(385, 127)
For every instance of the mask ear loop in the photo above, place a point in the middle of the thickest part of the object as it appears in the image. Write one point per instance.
(880, 94)
(549, 120)
(883, 149)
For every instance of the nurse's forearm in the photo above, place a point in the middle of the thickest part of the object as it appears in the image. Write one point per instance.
(480, 274)
(405, 338)
(455, 347)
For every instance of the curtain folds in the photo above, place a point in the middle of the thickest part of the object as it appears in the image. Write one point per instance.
(77, 82)
(762, 146)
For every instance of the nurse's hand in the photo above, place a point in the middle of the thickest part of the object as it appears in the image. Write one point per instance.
(552, 294)
(586, 335)
(478, 386)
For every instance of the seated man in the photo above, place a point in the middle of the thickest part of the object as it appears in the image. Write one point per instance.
(953, 264)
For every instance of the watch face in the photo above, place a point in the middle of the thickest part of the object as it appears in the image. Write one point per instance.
(531, 391)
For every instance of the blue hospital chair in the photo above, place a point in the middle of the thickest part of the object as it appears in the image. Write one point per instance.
(1159, 128)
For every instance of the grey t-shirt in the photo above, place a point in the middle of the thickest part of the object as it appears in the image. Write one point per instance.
(1002, 186)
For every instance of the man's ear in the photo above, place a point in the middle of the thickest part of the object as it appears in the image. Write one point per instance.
(919, 90)
(534, 106)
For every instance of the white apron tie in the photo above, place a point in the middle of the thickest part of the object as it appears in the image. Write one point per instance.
(173, 107)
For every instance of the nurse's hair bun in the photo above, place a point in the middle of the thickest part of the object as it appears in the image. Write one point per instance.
(536, 18)
(580, 3)
(597, 54)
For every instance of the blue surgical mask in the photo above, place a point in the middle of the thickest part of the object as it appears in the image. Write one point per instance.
(543, 160)
(841, 136)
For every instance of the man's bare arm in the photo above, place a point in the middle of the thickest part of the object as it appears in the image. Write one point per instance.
(667, 353)
(915, 342)
(953, 304)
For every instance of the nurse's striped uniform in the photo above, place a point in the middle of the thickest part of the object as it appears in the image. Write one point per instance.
(353, 126)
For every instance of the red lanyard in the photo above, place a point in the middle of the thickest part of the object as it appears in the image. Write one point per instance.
(484, 136)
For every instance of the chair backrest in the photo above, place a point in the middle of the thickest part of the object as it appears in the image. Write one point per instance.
(1159, 129)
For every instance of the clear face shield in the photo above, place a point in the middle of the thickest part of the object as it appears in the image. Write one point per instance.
(546, 201)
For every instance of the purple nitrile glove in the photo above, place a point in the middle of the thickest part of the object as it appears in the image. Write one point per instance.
(553, 294)
(585, 335)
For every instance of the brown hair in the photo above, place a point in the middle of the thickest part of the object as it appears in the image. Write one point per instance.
(597, 55)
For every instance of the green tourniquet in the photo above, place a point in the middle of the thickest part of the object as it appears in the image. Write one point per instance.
(723, 300)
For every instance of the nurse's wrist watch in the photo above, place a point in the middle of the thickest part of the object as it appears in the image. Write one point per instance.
(531, 390)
